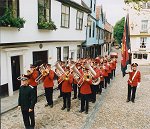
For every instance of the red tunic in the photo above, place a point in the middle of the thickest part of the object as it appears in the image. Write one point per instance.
(101, 74)
(135, 80)
(67, 84)
(33, 76)
(105, 71)
(85, 87)
(48, 80)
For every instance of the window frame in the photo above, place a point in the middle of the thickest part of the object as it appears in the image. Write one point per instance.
(80, 20)
(9, 4)
(44, 8)
(65, 14)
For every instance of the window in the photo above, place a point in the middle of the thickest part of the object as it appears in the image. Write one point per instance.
(65, 53)
(91, 4)
(65, 16)
(94, 5)
(13, 5)
(148, 5)
(90, 31)
(139, 56)
(58, 53)
(44, 11)
(143, 42)
(93, 29)
(79, 20)
(78, 51)
(144, 26)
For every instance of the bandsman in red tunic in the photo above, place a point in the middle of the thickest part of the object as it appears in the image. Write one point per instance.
(85, 91)
(105, 73)
(48, 83)
(67, 80)
(33, 74)
(133, 82)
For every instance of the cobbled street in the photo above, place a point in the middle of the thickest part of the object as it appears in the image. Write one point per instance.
(109, 112)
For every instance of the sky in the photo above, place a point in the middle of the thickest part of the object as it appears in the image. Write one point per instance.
(114, 10)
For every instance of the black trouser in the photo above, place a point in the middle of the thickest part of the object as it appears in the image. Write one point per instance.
(49, 95)
(133, 90)
(101, 85)
(66, 99)
(35, 89)
(105, 81)
(79, 94)
(28, 119)
(75, 90)
(85, 102)
(59, 86)
(109, 76)
(114, 72)
(93, 95)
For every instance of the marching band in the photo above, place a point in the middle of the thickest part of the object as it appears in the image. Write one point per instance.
(85, 77)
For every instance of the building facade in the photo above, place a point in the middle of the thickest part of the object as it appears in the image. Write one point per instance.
(139, 22)
(38, 41)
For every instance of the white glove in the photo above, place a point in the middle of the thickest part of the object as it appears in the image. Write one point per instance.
(138, 85)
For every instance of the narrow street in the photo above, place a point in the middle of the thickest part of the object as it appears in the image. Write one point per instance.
(109, 112)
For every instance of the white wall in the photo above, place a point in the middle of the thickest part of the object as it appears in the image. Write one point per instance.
(30, 32)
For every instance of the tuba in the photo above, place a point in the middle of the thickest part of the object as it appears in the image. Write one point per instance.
(76, 74)
(93, 73)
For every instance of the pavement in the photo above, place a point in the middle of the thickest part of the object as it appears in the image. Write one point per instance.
(11, 102)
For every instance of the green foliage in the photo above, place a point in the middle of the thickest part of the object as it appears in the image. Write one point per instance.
(47, 25)
(8, 20)
(118, 30)
(136, 1)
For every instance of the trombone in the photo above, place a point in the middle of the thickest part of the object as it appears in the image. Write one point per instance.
(44, 72)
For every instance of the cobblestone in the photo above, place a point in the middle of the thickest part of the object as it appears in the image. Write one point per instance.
(109, 112)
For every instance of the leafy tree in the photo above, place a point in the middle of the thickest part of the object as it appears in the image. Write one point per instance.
(118, 30)
(136, 1)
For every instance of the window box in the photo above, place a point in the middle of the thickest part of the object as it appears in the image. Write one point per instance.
(8, 20)
(47, 25)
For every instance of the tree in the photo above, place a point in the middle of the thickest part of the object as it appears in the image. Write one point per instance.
(118, 30)
(136, 1)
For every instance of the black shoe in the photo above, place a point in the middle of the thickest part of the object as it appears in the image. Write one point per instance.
(74, 97)
(59, 96)
(86, 112)
(81, 111)
(51, 106)
(127, 100)
(68, 109)
(93, 101)
(63, 108)
(46, 105)
(133, 101)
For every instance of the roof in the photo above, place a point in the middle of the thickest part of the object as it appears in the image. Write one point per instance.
(75, 5)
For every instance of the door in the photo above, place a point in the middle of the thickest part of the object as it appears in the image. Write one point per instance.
(15, 67)
(40, 57)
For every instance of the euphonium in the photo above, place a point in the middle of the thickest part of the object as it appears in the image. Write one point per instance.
(93, 73)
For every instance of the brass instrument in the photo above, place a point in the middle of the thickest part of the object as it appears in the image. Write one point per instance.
(44, 72)
(76, 72)
(93, 73)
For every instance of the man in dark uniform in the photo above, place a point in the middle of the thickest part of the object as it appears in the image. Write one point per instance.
(26, 101)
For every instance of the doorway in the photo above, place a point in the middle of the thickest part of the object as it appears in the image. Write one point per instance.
(15, 67)
(40, 57)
